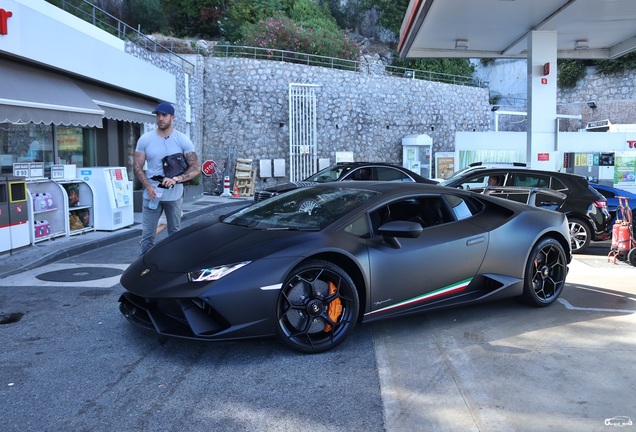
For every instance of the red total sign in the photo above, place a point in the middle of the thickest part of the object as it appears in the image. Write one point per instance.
(208, 168)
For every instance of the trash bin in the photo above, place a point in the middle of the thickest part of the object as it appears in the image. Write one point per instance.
(19, 231)
(5, 235)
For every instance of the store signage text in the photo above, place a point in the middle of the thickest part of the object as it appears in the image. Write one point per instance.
(4, 18)
(632, 143)
(29, 169)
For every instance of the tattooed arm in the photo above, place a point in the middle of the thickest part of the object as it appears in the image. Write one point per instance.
(138, 169)
(193, 167)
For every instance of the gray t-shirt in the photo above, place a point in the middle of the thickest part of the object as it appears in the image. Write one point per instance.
(156, 148)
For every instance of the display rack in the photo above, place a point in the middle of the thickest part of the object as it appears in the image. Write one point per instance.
(47, 214)
(80, 212)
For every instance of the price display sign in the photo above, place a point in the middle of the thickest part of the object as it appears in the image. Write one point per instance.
(21, 169)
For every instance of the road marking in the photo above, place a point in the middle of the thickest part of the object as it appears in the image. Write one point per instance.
(569, 306)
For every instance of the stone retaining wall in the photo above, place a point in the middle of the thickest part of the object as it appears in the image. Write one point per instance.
(246, 113)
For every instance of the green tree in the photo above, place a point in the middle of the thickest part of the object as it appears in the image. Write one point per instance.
(195, 18)
(391, 12)
(148, 15)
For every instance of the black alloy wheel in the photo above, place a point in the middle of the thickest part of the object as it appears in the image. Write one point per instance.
(545, 273)
(631, 256)
(317, 307)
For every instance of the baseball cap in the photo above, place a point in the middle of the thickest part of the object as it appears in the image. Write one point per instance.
(164, 108)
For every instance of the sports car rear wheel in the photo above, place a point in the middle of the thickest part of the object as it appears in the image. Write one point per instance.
(317, 307)
(545, 273)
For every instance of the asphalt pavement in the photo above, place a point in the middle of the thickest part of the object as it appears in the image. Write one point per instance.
(69, 361)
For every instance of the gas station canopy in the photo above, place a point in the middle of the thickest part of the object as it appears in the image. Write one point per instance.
(586, 29)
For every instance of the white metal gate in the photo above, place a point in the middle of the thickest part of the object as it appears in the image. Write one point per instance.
(303, 159)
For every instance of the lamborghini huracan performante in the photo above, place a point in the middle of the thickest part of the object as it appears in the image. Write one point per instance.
(310, 264)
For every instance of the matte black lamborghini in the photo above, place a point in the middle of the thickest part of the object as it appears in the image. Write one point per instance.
(309, 264)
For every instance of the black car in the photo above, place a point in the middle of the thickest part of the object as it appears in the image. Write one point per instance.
(585, 207)
(363, 251)
(373, 171)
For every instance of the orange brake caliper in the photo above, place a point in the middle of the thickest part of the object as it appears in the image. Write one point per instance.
(335, 307)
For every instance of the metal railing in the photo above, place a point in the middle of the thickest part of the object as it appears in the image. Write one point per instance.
(110, 24)
(338, 63)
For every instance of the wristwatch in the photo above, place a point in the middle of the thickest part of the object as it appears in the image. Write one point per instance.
(176, 179)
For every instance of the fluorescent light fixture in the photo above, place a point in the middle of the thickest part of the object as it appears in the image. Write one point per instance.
(461, 44)
(581, 44)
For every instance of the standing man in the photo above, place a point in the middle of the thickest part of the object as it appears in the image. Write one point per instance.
(151, 148)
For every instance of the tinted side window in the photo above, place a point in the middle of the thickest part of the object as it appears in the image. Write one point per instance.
(461, 207)
(558, 185)
(474, 182)
(359, 174)
(390, 174)
(531, 180)
(428, 211)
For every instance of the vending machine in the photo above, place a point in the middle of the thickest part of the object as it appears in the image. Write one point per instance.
(112, 196)
(416, 154)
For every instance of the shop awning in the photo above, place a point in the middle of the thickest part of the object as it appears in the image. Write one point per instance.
(118, 105)
(29, 94)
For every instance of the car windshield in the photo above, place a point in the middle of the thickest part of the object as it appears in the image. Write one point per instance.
(330, 174)
(311, 208)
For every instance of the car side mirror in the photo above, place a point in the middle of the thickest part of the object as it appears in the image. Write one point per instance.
(393, 230)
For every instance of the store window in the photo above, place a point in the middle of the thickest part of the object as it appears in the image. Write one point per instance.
(29, 142)
(75, 146)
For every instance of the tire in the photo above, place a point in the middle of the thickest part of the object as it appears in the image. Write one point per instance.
(317, 307)
(545, 273)
(631, 257)
(580, 235)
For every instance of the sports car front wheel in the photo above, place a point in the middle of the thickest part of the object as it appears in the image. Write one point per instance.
(545, 274)
(317, 307)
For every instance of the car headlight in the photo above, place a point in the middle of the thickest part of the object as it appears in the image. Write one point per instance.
(214, 273)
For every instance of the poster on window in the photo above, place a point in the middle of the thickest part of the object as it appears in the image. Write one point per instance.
(625, 170)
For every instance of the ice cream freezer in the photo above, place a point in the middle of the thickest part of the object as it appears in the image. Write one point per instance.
(112, 196)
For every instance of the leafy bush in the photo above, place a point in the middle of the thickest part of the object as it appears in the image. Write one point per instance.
(283, 33)
(626, 62)
(569, 73)
(242, 12)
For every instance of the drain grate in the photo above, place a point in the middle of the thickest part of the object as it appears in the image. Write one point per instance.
(80, 274)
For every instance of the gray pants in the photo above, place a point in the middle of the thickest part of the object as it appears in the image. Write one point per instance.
(150, 218)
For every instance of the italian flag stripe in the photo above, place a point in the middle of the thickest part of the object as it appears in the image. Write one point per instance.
(447, 290)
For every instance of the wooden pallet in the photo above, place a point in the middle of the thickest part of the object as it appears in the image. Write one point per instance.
(244, 177)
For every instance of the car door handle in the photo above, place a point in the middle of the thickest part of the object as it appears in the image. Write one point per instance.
(475, 240)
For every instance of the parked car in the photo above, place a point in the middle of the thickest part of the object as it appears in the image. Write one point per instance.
(348, 171)
(365, 251)
(611, 193)
(476, 166)
(585, 208)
